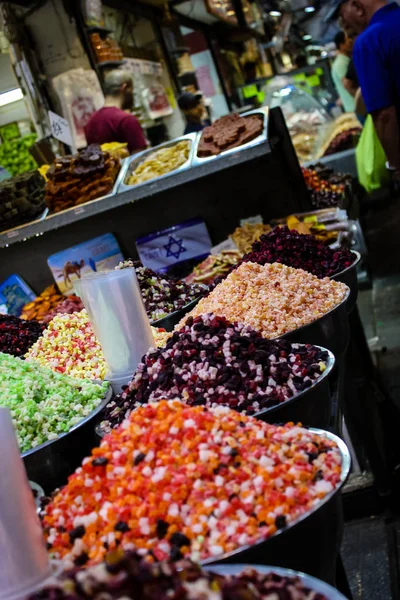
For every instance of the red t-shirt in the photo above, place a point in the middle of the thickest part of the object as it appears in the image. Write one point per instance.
(111, 124)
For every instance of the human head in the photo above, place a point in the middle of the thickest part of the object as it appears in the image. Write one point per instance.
(191, 105)
(355, 15)
(343, 43)
(119, 84)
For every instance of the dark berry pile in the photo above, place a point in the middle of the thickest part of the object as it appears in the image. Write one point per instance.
(128, 575)
(17, 335)
(211, 361)
(162, 296)
(287, 246)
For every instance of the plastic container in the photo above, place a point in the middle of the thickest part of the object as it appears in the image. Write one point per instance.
(118, 317)
(24, 563)
(314, 584)
(311, 543)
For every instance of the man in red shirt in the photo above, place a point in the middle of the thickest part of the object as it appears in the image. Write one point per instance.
(111, 123)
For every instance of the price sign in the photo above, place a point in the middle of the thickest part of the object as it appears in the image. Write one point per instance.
(60, 128)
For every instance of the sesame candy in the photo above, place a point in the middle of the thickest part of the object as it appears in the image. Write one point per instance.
(69, 346)
(273, 298)
(215, 505)
(212, 361)
(43, 404)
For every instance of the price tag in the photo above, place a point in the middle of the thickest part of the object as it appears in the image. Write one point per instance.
(225, 245)
(60, 128)
(251, 220)
(12, 234)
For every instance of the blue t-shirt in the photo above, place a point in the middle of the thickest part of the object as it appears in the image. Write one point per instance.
(376, 57)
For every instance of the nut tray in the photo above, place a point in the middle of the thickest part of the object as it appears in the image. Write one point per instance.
(310, 543)
(134, 161)
(50, 464)
(258, 140)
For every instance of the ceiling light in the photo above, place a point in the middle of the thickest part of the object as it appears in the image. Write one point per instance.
(11, 96)
(275, 13)
(307, 37)
(309, 9)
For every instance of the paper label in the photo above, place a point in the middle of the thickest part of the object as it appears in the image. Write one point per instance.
(60, 128)
(225, 245)
(251, 220)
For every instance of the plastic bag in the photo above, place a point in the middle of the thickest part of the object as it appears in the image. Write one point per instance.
(370, 158)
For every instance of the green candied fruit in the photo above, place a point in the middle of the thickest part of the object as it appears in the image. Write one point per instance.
(44, 404)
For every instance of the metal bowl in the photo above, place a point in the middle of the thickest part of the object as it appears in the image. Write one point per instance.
(170, 321)
(349, 277)
(310, 543)
(312, 406)
(330, 331)
(316, 585)
(50, 464)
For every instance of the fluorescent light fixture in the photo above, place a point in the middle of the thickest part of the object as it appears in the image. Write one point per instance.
(275, 13)
(309, 9)
(307, 37)
(11, 96)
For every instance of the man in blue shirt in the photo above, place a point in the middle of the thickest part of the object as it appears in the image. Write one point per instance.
(376, 56)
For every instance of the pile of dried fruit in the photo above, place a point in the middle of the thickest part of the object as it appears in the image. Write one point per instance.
(186, 481)
(273, 298)
(286, 246)
(323, 193)
(44, 404)
(17, 336)
(43, 304)
(162, 296)
(128, 576)
(69, 346)
(245, 235)
(214, 362)
(213, 267)
(68, 306)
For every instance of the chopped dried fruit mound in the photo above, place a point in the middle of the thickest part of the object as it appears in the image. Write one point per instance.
(187, 481)
(126, 575)
(44, 404)
(69, 346)
(67, 306)
(301, 251)
(272, 298)
(162, 296)
(212, 361)
(17, 335)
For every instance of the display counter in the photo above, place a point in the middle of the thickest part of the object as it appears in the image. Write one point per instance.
(265, 179)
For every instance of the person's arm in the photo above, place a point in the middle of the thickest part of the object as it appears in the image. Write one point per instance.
(376, 80)
(133, 134)
(350, 86)
(387, 128)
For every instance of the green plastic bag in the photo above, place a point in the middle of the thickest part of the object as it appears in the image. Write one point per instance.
(371, 159)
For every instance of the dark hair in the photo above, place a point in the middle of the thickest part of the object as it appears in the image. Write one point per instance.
(340, 39)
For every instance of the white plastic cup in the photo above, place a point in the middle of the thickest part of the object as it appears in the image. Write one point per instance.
(24, 563)
(118, 317)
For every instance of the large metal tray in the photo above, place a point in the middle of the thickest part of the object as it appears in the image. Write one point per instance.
(50, 464)
(310, 543)
(134, 161)
(170, 321)
(316, 585)
(312, 407)
(330, 331)
(264, 112)
(349, 277)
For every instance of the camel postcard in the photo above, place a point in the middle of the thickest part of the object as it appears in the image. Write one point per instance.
(99, 254)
